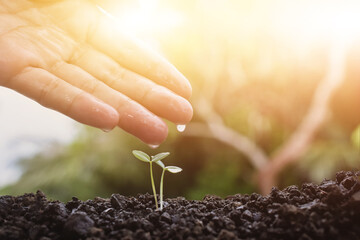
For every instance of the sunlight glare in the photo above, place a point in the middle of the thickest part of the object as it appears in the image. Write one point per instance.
(146, 18)
(318, 21)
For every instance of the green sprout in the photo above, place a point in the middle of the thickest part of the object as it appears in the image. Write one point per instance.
(146, 158)
(172, 169)
(157, 159)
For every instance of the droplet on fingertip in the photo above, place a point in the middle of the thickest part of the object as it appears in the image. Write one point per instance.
(181, 128)
(106, 130)
(153, 146)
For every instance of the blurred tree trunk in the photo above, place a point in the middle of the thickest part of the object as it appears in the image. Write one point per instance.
(269, 167)
(301, 139)
(232, 138)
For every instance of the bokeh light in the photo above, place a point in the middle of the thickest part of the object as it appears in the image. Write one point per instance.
(265, 75)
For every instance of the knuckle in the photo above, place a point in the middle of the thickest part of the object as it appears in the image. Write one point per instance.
(56, 66)
(77, 54)
(90, 86)
(47, 89)
(69, 107)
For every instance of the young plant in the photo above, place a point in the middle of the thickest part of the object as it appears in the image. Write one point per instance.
(146, 158)
(172, 169)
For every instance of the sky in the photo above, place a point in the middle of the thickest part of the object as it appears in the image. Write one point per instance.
(26, 128)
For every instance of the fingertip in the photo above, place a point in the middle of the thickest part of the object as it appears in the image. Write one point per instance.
(168, 105)
(157, 135)
(188, 90)
(144, 125)
(111, 119)
(187, 113)
(182, 111)
(186, 87)
(175, 80)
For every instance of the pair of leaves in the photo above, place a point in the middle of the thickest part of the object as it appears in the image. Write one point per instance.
(146, 158)
(157, 159)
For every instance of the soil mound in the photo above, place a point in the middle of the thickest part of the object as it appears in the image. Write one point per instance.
(330, 210)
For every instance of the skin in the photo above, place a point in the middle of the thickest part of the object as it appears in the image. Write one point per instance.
(70, 57)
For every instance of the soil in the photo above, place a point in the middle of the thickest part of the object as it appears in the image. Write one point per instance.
(330, 210)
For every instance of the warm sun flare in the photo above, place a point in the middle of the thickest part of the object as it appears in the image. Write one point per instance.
(317, 20)
(297, 21)
(145, 17)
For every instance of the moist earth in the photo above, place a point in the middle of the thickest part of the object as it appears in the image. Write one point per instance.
(330, 210)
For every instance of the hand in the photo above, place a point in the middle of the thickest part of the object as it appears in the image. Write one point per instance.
(69, 56)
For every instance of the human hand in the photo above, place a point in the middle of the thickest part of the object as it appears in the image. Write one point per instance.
(70, 57)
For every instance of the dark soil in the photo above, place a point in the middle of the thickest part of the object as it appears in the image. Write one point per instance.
(330, 210)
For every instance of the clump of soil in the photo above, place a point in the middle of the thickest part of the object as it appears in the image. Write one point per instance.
(330, 210)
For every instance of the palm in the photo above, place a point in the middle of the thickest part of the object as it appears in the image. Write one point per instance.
(68, 56)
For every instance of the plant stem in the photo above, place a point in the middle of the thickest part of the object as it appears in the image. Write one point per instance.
(153, 186)
(161, 188)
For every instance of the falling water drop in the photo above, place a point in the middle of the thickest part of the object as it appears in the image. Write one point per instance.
(181, 128)
(153, 146)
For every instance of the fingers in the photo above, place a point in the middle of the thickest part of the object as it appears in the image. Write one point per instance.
(157, 99)
(86, 23)
(133, 117)
(150, 87)
(54, 93)
(125, 53)
(134, 55)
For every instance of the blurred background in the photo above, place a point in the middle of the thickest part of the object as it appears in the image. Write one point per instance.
(276, 97)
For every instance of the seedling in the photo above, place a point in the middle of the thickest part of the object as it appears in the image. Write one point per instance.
(157, 159)
(172, 169)
(146, 158)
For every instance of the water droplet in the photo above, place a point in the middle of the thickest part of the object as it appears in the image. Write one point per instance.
(181, 128)
(106, 130)
(153, 146)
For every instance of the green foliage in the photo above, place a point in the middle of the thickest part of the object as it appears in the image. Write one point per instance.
(146, 158)
(160, 156)
(157, 159)
(141, 156)
(161, 164)
(172, 169)
(355, 138)
(95, 164)
(222, 176)
(322, 161)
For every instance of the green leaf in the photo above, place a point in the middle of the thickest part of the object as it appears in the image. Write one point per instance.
(173, 169)
(141, 156)
(160, 156)
(161, 164)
